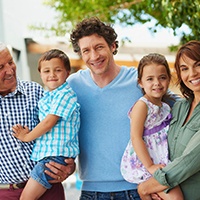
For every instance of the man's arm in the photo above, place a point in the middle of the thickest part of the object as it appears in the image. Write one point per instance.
(60, 172)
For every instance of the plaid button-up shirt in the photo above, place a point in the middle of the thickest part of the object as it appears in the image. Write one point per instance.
(61, 139)
(18, 107)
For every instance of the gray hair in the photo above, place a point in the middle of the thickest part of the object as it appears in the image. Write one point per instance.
(3, 46)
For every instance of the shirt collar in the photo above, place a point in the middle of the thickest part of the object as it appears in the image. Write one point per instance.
(57, 89)
(19, 89)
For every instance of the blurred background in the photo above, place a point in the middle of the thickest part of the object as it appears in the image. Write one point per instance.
(30, 28)
(35, 26)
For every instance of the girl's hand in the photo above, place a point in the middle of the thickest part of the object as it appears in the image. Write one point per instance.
(153, 168)
(60, 172)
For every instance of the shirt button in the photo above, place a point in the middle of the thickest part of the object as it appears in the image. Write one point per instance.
(18, 147)
(24, 165)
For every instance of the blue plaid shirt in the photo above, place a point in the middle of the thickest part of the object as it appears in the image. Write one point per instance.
(62, 139)
(18, 107)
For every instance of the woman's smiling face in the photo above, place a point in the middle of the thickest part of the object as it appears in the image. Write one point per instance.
(190, 73)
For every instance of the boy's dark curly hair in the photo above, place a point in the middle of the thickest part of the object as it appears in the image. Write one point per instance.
(93, 26)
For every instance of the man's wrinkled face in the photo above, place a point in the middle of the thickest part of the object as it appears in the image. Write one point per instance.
(8, 80)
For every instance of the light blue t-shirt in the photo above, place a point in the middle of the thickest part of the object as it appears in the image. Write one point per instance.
(62, 139)
(105, 128)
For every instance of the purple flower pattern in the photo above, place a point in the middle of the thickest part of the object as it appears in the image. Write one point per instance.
(131, 168)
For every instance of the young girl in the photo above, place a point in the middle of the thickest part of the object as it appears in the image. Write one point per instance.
(56, 136)
(147, 150)
(184, 131)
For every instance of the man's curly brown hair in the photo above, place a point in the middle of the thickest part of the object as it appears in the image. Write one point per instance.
(92, 26)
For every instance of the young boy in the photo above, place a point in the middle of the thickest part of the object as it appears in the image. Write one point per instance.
(56, 136)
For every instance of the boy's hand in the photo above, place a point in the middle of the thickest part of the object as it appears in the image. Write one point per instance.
(20, 132)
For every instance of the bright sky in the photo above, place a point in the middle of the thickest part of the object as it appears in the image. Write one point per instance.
(140, 35)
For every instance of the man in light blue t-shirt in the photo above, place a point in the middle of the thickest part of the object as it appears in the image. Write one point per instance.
(105, 92)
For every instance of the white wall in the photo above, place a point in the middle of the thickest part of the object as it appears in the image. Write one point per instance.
(12, 35)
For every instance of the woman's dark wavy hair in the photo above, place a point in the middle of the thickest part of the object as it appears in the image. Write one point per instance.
(192, 50)
(92, 26)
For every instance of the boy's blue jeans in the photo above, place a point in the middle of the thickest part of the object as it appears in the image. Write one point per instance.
(38, 171)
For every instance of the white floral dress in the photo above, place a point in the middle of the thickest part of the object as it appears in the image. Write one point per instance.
(155, 137)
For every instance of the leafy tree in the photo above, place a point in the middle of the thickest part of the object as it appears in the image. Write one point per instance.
(168, 14)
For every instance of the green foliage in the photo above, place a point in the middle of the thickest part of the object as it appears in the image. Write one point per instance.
(173, 14)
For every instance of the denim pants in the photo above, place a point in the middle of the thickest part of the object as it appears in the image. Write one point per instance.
(38, 171)
(122, 195)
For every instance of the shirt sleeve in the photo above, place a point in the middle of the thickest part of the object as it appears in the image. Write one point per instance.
(182, 167)
(64, 105)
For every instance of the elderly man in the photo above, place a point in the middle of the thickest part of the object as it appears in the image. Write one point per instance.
(19, 105)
